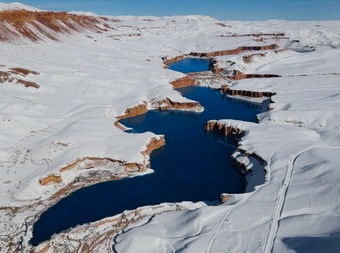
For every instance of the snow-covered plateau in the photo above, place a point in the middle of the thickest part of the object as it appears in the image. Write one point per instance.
(66, 78)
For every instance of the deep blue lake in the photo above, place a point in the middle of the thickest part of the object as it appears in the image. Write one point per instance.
(189, 64)
(194, 165)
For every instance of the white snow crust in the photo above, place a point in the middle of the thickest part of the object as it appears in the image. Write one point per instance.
(88, 79)
(16, 5)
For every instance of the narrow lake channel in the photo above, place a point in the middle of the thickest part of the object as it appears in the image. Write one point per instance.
(194, 165)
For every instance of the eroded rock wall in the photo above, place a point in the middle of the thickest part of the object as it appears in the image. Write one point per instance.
(256, 94)
(134, 111)
(183, 82)
(153, 144)
(167, 104)
(238, 75)
(50, 178)
(232, 131)
(234, 51)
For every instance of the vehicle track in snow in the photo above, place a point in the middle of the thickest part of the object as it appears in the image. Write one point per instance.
(278, 206)
(281, 197)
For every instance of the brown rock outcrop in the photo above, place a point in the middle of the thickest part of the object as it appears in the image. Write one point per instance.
(92, 162)
(153, 144)
(28, 84)
(214, 125)
(256, 94)
(88, 163)
(50, 178)
(234, 51)
(249, 58)
(29, 24)
(225, 197)
(23, 71)
(183, 82)
(238, 75)
(119, 126)
(11, 76)
(134, 111)
(6, 77)
(167, 104)
(232, 131)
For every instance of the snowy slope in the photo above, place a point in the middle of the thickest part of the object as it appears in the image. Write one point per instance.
(16, 5)
(88, 78)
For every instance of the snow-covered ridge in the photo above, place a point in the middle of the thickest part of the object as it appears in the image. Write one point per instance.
(16, 6)
(22, 25)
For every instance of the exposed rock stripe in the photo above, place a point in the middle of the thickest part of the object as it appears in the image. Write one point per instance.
(134, 111)
(234, 51)
(183, 82)
(167, 104)
(50, 178)
(257, 94)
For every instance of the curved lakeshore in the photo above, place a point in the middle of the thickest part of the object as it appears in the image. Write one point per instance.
(181, 173)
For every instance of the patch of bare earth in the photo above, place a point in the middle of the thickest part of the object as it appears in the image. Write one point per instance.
(18, 75)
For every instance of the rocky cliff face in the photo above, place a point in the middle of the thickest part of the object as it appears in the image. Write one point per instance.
(50, 178)
(154, 143)
(235, 132)
(233, 51)
(35, 25)
(168, 104)
(249, 58)
(238, 75)
(232, 131)
(257, 94)
(87, 163)
(134, 111)
(183, 82)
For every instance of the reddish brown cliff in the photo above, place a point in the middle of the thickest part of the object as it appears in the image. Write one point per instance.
(119, 126)
(134, 111)
(153, 144)
(50, 178)
(183, 82)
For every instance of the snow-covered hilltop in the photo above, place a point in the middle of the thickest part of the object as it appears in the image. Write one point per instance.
(16, 6)
(66, 78)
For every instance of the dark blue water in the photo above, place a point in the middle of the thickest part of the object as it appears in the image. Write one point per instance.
(188, 65)
(194, 165)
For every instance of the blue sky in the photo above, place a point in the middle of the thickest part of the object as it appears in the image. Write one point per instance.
(220, 9)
